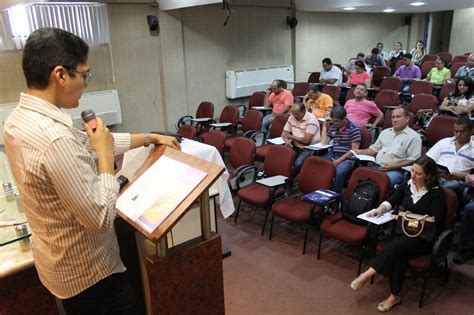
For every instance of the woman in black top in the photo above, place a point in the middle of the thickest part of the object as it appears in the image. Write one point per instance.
(422, 195)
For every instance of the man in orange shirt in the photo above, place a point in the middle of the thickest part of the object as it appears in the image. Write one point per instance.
(317, 103)
(280, 99)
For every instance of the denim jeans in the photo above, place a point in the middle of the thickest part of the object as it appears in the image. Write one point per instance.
(342, 170)
(300, 156)
(267, 121)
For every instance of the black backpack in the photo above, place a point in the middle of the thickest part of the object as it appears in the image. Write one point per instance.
(364, 198)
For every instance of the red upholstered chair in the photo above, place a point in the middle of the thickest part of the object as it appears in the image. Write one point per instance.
(230, 114)
(440, 127)
(387, 122)
(460, 58)
(276, 130)
(314, 77)
(399, 64)
(350, 94)
(257, 99)
(216, 138)
(187, 131)
(448, 57)
(316, 173)
(426, 67)
(204, 110)
(300, 89)
(418, 87)
(428, 57)
(335, 226)
(333, 91)
(445, 90)
(422, 101)
(366, 138)
(278, 161)
(241, 153)
(391, 83)
(455, 67)
(252, 122)
(427, 264)
(386, 97)
(378, 73)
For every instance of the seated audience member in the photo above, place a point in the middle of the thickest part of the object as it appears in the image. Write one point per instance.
(360, 110)
(331, 74)
(466, 236)
(395, 147)
(396, 54)
(346, 137)
(301, 129)
(382, 53)
(359, 76)
(439, 74)
(408, 72)
(418, 52)
(318, 103)
(456, 154)
(421, 195)
(280, 98)
(374, 60)
(460, 102)
(467, 70)
(350, 67)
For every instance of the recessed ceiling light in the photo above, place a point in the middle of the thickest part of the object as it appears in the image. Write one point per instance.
(388, 10)
(417, 4)
(349, 8)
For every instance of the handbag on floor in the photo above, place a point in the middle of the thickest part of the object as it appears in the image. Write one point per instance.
(417, 225)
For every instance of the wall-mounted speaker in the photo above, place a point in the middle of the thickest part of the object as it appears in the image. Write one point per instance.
(152, 22)
(291, 21)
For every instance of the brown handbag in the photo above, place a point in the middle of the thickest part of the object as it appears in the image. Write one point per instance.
(417, 225)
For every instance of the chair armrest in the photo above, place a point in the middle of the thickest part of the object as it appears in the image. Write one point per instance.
(259, 137)
(244, 175)
(182, 120)
(441, 246)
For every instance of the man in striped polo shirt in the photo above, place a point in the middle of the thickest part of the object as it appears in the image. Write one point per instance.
(345, 136)
(65, 178)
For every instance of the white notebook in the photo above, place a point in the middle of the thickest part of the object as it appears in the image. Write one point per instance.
(384, 218)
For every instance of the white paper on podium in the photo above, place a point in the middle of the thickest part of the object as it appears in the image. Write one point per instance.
(158, 191)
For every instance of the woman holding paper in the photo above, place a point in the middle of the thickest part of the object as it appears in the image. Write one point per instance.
(420, 194)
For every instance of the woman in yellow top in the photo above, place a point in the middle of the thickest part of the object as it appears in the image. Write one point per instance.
(318, 103)
(439, 74)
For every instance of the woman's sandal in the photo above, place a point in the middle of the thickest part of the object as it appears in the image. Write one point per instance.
(382, 308)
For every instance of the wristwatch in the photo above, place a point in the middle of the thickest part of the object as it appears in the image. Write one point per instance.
(147, 139)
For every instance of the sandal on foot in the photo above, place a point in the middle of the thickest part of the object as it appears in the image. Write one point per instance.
(381, 307)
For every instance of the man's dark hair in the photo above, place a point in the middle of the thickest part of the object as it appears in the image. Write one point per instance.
(404, 110)
(47, 48)
(408, 56)
(464, 121)
(360, 64)
(301, 107)
(430, 169)
(314, 87)
(338, 112)
(375, 50)
(327, 60)
(379, 43)
(361, 55)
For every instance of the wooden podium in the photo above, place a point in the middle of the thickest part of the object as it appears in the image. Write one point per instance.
(184, 279)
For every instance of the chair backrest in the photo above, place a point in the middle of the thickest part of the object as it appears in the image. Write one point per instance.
(418, 87)
(451, 205)
(455, 67)
(386, 98)
(378, 73)
(422, 101)
(314, 77)
(242, 152)
(445, 90)
(279, 161)
(350, 94)
(257, 99)
(216, 138)
(205, 110)
(448, 57)
(277, 125)
(230, 114)
(366, 138)
(399, 64)
(426, 67)
(187, 131)
(333, 91)
(459, 58)
(379, 177)
(440, 127)
(428, 57)
(300, 89)
(316, 173)
(387, 122)
(252, 120)
(391, 83)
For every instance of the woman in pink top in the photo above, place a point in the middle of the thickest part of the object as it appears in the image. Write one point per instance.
(359, 76)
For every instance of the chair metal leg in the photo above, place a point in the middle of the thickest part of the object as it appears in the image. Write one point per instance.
(271, 226)
(267, 210)
(305, 239)
(425, 280)
(237, 211)
(319, 247)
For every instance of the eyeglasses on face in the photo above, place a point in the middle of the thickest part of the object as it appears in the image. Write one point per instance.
(85, 75)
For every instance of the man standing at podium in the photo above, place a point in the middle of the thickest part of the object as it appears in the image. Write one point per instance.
(68, 197)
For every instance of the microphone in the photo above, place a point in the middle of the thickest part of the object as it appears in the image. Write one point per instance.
(88, 116)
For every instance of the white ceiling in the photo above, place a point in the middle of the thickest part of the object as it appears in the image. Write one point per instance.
(400, 6)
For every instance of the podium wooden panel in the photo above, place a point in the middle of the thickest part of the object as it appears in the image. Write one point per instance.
(187, 278)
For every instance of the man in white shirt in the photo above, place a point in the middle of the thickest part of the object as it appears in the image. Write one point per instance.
(331, 74)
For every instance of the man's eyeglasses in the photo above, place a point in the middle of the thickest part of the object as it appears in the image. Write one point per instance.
(85, 75)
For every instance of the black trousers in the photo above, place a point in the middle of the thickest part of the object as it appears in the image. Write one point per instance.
(112, 295)
(392, 262)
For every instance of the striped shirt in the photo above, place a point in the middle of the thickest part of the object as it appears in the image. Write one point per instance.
(343, 138)
(445, 154)
(69, 206)
(299, 128)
